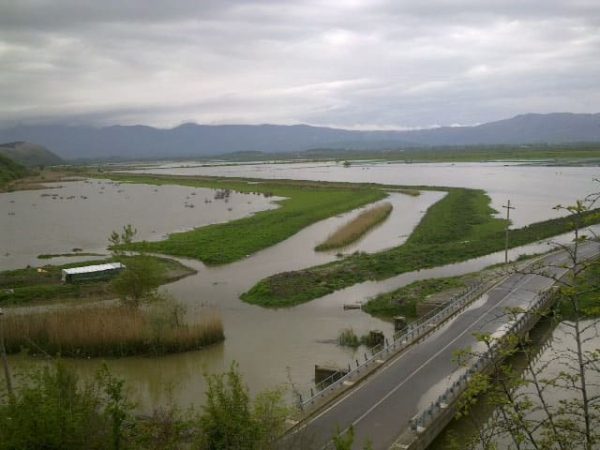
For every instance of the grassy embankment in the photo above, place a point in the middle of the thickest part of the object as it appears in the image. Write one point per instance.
(304, 203)
(457, 228)
(356, 228)
(113, 331)
(9, 172)
(31, 285)
(403, 301)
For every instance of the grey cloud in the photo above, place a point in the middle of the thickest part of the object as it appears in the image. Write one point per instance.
(346, 63)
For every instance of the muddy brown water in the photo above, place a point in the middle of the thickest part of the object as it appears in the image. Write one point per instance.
(270, 346)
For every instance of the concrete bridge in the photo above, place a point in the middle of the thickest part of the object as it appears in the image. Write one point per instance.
(404, 403)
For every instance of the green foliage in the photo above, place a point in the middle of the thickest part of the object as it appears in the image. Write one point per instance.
(304, 203)
(403, 301)
(117, 407)
(10, 171)
(343, 441)
(348, 338)
(231, 421)
(426, 248)
(118, 240)
(139, 281)
(53, 412)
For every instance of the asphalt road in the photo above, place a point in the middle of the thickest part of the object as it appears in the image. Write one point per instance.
(380, 407)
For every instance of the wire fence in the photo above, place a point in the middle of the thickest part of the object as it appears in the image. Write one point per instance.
(400, 340)
(521, 323)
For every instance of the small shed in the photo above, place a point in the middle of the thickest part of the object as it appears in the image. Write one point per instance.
(91, 273)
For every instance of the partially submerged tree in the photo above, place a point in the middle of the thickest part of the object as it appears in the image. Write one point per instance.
(142, 274)
(139, 281)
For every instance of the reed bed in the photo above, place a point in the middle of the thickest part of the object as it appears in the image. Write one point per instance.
(106, 331)
(357, 227)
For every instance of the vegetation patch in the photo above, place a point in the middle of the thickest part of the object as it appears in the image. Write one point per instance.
(9, 172)
(357, 227)
(403, 301)
(22, 286)
(109, 331)
(303, 203)
(457, 228)
(586, 288)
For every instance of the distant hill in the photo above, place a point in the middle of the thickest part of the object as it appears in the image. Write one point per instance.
(29, 155)
(10, 170)
(191, 140)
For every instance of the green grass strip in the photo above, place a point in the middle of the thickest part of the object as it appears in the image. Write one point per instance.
(305, 203)
(435, 242)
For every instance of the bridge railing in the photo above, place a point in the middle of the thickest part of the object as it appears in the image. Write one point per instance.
(521, 323)
(401, 339)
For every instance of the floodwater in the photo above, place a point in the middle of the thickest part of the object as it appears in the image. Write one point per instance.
(533, 190)
(273, 347)
(552, 352)
(82, 215)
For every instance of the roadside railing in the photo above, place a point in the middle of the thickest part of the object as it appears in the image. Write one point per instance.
(400, 340)
(421, 421)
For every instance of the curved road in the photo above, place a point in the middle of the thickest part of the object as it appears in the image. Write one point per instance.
(381, 406)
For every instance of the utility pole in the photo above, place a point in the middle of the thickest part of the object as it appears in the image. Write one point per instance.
(508, 208)
(4, 359)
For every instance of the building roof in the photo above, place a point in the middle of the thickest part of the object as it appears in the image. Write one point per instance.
(94, 268)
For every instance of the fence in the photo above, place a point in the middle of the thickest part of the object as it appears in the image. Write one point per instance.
(523, 323)
(401, 339)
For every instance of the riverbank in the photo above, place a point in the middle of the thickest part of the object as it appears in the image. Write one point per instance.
(42, 285)
(457, 228)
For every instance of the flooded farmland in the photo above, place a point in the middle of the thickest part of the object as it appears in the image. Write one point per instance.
(271, 346)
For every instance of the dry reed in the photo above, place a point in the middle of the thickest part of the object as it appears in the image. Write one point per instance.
(106, 331)
(356, 228)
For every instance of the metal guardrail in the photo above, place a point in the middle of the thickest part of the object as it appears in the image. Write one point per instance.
(422, 420)
(401, 339)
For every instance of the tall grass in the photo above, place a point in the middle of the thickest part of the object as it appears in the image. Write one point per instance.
(107, 331)
(357, 227)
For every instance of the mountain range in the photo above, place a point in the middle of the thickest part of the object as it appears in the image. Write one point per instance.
(193, 140)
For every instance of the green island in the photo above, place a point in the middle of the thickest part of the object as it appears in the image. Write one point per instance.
(43, 284)
(457, 228)
(304, 203)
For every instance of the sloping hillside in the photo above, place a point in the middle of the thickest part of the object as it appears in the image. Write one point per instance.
(9, 171)
(29, 155)
(192, 140)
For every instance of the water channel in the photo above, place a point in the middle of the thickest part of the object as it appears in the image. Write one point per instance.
(271, 346)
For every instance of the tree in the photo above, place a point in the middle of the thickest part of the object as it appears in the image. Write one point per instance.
(142, 274)
(139, 281)
(53, 409)
(232, 421)
(553, 402)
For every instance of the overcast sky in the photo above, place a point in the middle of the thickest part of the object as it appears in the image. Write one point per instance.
(345, 63)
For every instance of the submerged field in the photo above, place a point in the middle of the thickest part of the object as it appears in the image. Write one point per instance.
(457, 228)
(303, 204)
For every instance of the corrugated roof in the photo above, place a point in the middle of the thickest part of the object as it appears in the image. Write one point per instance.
(95, 268)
